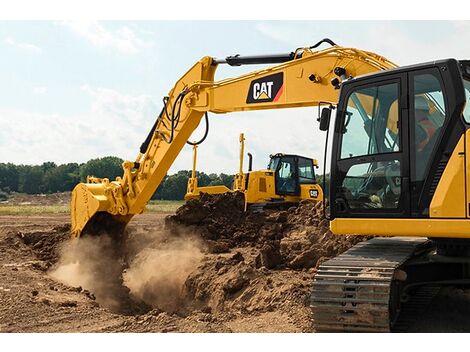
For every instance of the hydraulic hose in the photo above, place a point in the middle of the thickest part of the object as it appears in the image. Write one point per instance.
(206, 118)
(324, 40)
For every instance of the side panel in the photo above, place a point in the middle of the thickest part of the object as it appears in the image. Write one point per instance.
(467, 172)
(312, 192)
(449, 200)
(260, 186)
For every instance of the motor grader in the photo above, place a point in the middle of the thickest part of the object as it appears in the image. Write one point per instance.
(287, 180)
(398, 169)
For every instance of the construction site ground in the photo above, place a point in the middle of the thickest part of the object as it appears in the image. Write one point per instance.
(188, 272)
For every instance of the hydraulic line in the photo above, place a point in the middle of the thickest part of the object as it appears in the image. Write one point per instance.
(206, 118)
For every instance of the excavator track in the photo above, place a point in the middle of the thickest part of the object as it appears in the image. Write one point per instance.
(355, 291)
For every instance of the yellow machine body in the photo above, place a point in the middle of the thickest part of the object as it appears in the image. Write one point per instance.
(303, 80)
(261, 189)
(258, 187)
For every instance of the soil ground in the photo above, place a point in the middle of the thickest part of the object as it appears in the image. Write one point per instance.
(254, 277)
(32, 301)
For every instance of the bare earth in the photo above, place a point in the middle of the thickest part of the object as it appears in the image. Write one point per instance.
(31, 301)
(218, 291)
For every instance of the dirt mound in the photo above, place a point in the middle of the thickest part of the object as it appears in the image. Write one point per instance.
(232, 283)
(214, 217)
(257, 262)
(309, 238)
(296, 238)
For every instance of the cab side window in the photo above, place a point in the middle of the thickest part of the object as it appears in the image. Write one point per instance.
(371, 122)
(306, 173)
(371, 128)
(428, 116)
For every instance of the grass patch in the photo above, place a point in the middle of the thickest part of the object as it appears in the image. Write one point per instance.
(155, 206)
(164, 206)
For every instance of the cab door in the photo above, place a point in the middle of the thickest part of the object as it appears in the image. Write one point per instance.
(371, 172)
(286, 177)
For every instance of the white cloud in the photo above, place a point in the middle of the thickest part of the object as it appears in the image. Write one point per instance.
(23, 46)
(122, 39)
(37, 90)
(115, 124)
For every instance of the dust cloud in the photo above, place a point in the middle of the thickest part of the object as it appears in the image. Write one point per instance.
(146, 268)
(157, 273)
(93, 264)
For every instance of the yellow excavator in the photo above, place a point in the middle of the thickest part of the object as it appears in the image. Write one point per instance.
(399, 170)
(288, 180)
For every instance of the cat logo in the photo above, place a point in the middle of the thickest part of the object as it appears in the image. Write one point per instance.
(266, 89)
(262, 90)
(313, 193)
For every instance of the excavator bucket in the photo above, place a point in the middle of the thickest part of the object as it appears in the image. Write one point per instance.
(89, 212)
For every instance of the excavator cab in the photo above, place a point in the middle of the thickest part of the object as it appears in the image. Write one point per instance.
(396, 136)
(399, 169)
(290, 172)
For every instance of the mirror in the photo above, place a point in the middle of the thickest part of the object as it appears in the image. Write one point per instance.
(325, 119)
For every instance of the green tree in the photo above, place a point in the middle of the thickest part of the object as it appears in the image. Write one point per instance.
(227, 180)
(175, 185)
(62, 178)
(9, 177)
(31, 179)
(48, 165)
(203, 179)
(108, 167)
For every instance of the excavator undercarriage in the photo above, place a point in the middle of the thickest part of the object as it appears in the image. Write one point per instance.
(384, 284)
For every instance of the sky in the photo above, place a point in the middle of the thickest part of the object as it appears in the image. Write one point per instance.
(72, 91)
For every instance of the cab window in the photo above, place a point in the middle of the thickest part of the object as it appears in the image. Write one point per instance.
(428, 116)
(306, 171)
(371, 122)
(285, 176)
(370, 128)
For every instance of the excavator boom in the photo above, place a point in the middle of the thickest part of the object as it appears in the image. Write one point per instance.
(302, 78)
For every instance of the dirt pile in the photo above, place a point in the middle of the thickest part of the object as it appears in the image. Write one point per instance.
(256, 262)
(295, 238)
(232, 285)
(309, 239)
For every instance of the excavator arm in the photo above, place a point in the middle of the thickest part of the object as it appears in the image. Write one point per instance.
(302, 78)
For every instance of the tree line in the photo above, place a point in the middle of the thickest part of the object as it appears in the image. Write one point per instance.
(52, 178)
